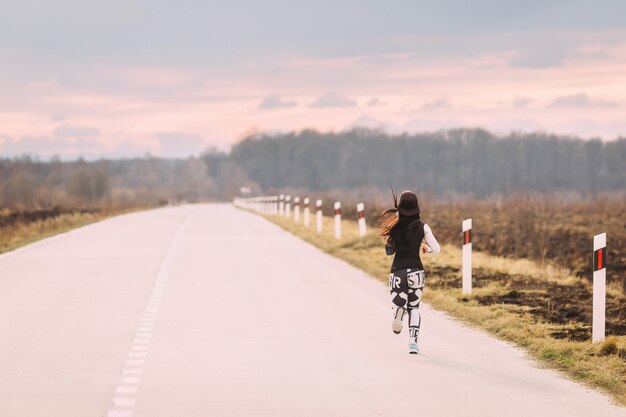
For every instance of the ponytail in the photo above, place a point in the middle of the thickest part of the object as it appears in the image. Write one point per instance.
(388, 218)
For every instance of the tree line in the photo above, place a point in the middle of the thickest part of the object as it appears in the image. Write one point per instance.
(457, 162)
(28, 184)
(461, 161)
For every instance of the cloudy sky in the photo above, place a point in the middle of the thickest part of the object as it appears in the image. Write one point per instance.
(124, 78)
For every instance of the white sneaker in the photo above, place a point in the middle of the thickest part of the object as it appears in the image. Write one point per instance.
(396, 325)
(413, 348)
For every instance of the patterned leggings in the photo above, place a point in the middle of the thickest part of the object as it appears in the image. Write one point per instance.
(406, 286)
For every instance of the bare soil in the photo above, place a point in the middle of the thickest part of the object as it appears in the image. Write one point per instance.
(546, 301)
(25, 217)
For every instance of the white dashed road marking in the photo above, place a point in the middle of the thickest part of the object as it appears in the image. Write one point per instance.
(123, 402)
(124, 389)
(120, 413)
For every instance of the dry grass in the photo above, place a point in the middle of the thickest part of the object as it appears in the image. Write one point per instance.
(20, 234)
(602, 366)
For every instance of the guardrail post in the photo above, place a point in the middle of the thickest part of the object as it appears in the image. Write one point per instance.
(337, 220)
(296, 209)
(599, 288)
(307, 212)
(281, 205)
(288, 206)
(318, 216)
(467, 256)
(360, 208)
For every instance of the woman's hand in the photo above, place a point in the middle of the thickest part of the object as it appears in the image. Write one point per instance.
(425, 248)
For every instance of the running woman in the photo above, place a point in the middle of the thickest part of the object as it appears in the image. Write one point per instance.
(404, 231)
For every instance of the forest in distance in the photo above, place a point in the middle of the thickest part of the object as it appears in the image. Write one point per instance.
(461, 162)
(447, 163)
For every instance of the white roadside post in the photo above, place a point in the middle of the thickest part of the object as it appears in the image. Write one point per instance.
(318, 216)
(281, 205)
(599, 287)
(360, 208)
(467, 256)
(337, 220)
(307, 212)
(288, 206)
(296, 209)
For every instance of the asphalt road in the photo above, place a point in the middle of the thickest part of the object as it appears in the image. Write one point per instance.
(211, 311)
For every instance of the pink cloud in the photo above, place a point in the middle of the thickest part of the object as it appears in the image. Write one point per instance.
(136, 103)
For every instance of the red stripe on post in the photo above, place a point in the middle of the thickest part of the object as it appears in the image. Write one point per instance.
(361, 215)
(467, 237)
(337, 211)
(599, 259)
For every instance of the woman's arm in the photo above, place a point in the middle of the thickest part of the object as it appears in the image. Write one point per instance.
(430, 240)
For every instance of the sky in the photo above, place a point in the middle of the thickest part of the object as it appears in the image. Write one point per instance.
(130, 78)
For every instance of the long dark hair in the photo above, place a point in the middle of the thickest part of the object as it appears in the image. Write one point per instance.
(392, 219)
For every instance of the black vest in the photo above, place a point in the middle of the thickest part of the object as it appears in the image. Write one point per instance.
(407, 240)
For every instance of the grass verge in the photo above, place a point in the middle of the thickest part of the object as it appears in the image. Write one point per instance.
(18, 234)
(536, 307)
